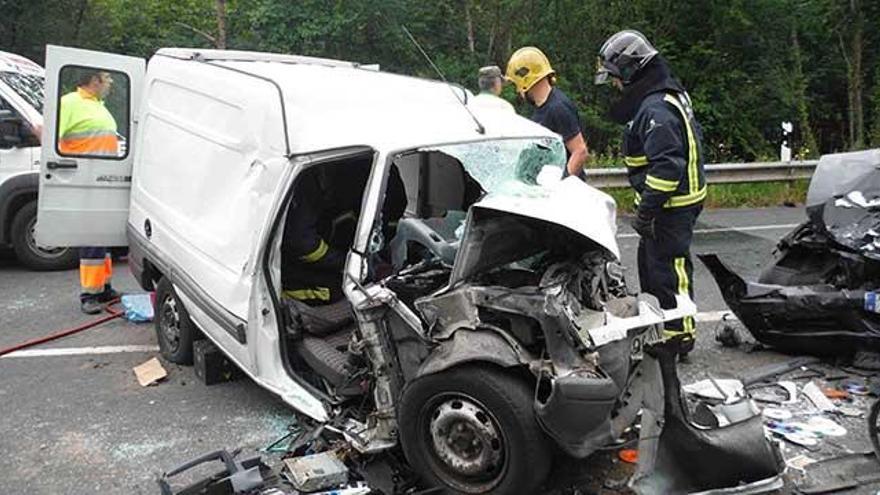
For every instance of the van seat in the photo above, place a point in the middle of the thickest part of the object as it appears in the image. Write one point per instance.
(327, 356)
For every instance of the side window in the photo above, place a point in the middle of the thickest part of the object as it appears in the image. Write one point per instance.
(14, 131)
(93, 113)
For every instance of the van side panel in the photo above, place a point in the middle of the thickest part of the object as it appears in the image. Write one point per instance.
(212, 150)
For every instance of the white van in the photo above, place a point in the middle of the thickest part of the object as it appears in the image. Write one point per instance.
(21, 120)
(483, 316)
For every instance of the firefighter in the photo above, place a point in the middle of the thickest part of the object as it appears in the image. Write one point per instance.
(86, 128)
(535, 81)
(662, 146)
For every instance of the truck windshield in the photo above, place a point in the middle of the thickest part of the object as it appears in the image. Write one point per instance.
(28, 86)
(510, 166)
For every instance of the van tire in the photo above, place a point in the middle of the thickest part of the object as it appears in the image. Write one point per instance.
(483, 407)
(28, 254)
(175, 331)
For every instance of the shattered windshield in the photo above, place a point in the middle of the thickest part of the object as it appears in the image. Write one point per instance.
(510, 166)
(28, 86)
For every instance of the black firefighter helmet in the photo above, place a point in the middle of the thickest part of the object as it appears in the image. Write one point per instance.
(623, 55)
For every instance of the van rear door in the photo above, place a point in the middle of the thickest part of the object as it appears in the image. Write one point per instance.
(87, 151)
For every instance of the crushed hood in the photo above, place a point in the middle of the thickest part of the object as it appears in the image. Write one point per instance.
(505, 228)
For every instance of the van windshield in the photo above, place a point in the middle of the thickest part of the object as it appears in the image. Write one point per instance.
(28, 86)
(510, 166)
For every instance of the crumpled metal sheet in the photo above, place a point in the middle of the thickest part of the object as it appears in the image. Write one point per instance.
(817, 319)
(677, 457)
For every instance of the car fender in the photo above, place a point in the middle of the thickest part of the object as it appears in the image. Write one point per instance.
(12, 191)
(467, 346)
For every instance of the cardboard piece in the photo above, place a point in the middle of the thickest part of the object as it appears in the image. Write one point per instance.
(150, 372)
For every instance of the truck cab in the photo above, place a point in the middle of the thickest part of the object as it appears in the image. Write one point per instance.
(21, 123)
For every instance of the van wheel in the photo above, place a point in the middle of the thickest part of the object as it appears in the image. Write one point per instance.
(472, 429)
(26, 250)
(174, 329)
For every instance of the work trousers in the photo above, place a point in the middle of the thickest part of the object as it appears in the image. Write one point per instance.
(95, 270)
(665, 267)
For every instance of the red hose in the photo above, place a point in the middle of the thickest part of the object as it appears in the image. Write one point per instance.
(64, 333)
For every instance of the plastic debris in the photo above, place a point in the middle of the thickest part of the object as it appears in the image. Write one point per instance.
(833, 393)
(814, 393)
(793, 433)
(800, 462)
(776, 414)
(630, 456)
(825, 427)
(709, 389)
(138, 307)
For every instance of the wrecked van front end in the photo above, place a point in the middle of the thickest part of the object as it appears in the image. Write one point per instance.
(537, 289)
(819, 294)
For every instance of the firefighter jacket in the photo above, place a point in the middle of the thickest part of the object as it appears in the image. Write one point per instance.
(662, 143)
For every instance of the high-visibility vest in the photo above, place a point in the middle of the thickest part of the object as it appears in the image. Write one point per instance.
(85, 126)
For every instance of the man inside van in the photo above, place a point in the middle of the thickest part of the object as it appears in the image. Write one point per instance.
(86, 128)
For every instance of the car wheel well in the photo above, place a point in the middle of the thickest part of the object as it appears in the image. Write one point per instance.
(15, 204)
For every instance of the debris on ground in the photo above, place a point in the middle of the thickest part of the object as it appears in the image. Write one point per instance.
(150, 372)
(138, 307)
(211, 365)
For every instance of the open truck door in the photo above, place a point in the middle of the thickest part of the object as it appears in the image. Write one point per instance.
(87, 150)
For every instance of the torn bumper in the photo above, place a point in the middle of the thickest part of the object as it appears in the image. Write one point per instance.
(813, 319)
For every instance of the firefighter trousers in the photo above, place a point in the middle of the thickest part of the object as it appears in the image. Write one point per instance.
(665, 267)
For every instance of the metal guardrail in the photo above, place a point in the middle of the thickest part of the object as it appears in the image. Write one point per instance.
(719, 173)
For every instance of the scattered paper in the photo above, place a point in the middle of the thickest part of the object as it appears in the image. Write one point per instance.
(149, 372)
(791, 388)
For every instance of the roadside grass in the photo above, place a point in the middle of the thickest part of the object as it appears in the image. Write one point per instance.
(753, 195)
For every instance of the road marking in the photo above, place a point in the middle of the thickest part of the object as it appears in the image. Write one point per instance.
(82, 351)
(748, 228)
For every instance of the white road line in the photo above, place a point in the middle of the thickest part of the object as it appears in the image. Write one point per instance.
(82, 351)
(705, 317)
(748, 228)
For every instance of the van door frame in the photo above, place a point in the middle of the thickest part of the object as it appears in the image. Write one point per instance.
(300, 164)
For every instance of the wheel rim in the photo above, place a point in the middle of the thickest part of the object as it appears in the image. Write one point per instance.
(466, 443)
(47, 253)
(169, 323)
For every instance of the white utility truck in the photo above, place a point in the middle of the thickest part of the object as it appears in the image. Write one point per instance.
(21, 120)
(484, 316)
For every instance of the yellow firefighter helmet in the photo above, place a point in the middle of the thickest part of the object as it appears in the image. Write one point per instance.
(527, 66)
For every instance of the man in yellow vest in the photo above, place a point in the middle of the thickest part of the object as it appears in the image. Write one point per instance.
(86, 128)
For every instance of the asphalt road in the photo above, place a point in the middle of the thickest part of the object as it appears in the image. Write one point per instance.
(82, 424)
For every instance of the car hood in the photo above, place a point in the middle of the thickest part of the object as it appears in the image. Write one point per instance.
(503, 228)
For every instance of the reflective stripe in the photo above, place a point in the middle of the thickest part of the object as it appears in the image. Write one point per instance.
(693, 173)
(683, 289)
(319, 293)
(662, 185)
(317, 254)
(687, 199)
(635, 161)
(679, 201)
(97, 144)
(92, 278)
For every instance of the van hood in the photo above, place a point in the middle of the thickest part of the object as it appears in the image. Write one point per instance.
(505, 228)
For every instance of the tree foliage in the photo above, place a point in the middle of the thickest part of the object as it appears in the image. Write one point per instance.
(748, 64)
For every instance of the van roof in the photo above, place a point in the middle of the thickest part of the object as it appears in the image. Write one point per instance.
(10, 62)
(332, 104)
